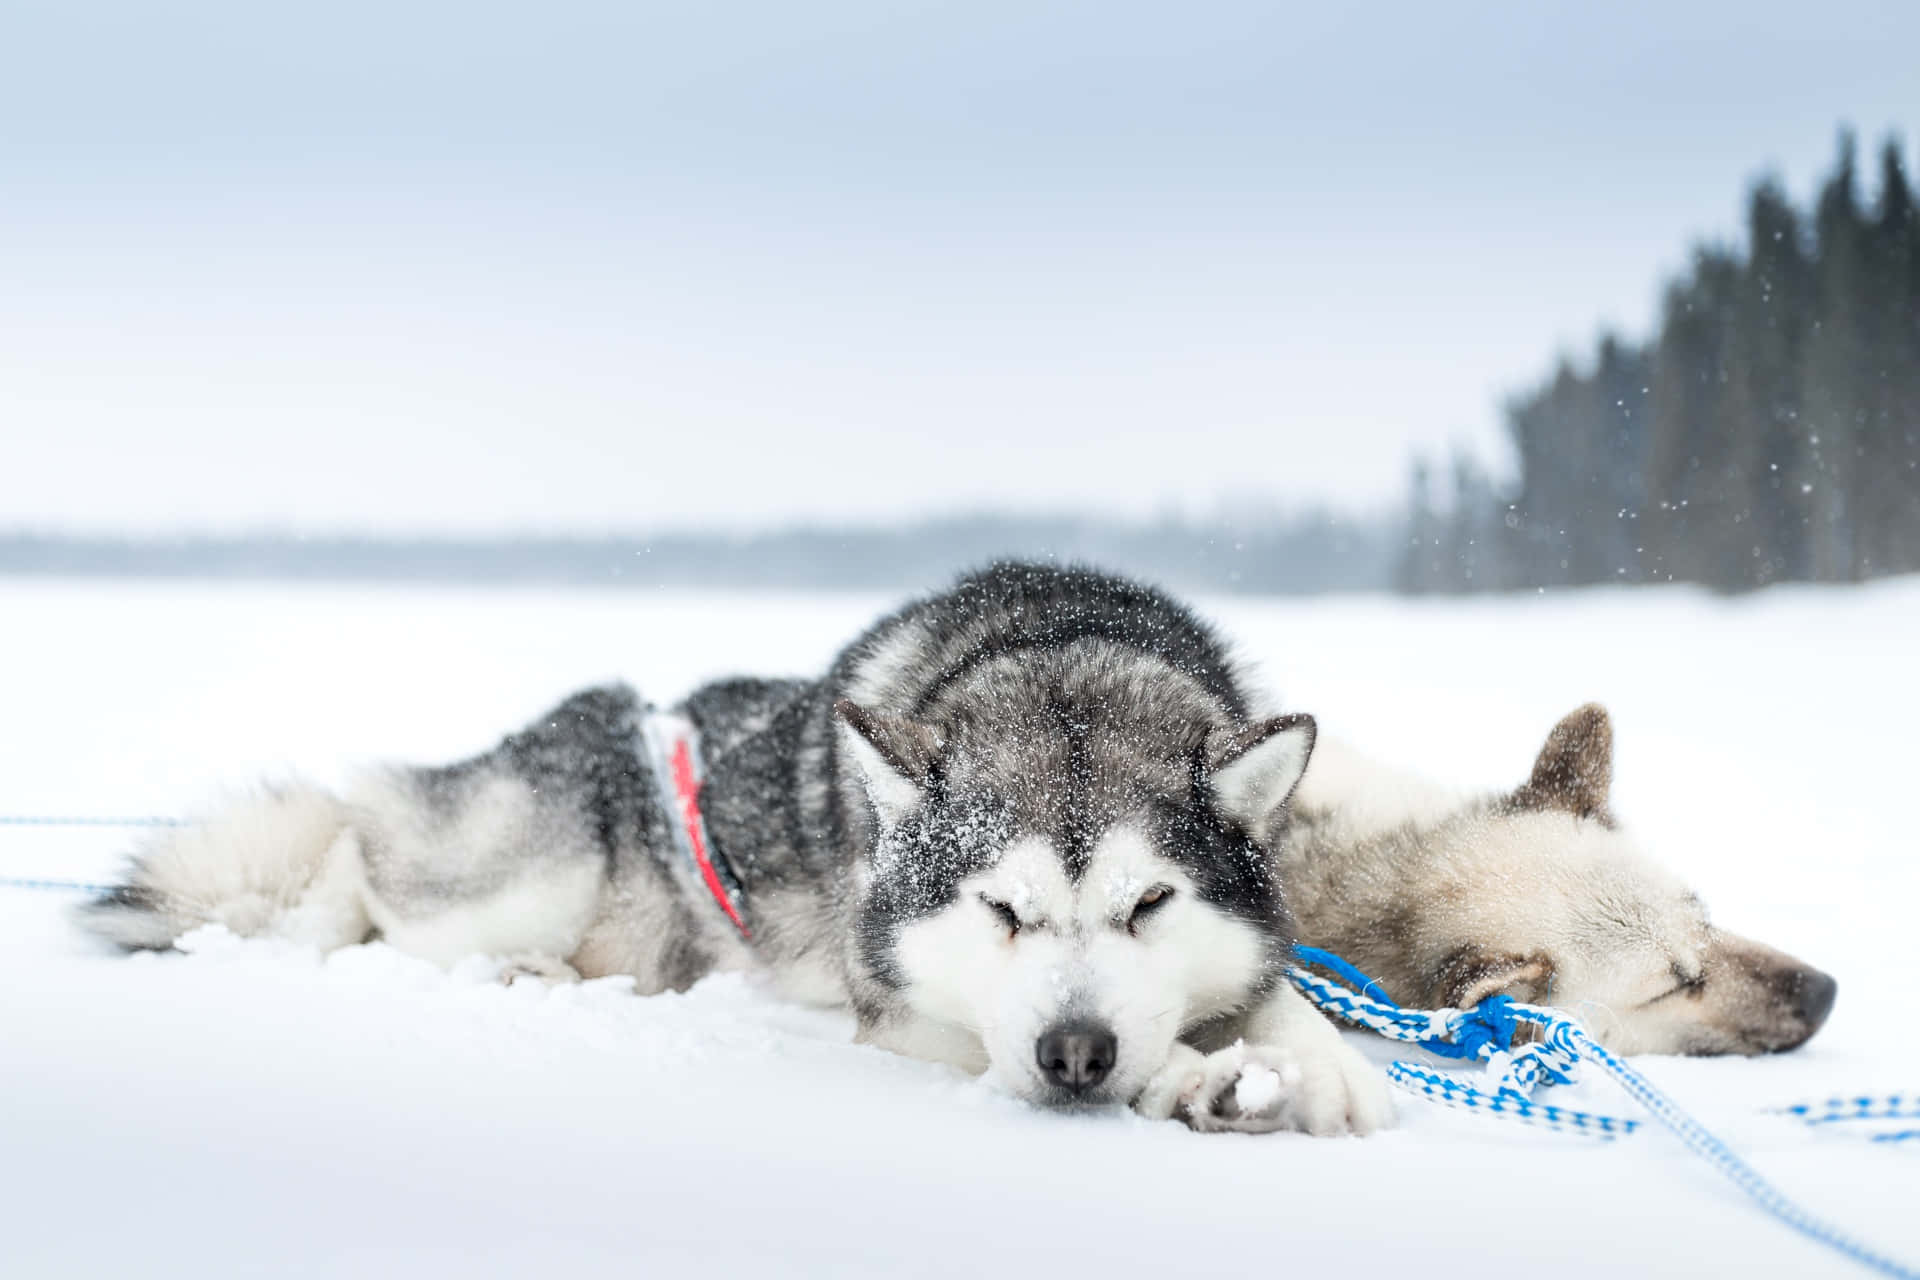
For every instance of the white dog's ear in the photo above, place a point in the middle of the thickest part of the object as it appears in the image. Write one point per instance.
(1253, 770)
(1574, 770)
(1471, 974)
(893, 754)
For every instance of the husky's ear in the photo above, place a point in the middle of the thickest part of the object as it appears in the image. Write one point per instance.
(893, 753)
(1575, 769)
(1253, 770)
(1473, 973)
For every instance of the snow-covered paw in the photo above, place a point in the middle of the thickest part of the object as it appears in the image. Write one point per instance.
(1245, 1089)
(1260, 1088)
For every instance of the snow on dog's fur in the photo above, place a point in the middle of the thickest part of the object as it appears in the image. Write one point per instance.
(1537, 893)
(1027, 826)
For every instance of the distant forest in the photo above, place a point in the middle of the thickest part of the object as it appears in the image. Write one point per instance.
(1769, 431)
(1266, 555)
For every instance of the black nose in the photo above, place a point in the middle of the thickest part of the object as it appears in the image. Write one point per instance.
(1076, 1055)
(1813, 993)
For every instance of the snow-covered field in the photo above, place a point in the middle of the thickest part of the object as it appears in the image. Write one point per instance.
(249, 1109)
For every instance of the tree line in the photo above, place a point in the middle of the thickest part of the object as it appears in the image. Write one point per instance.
(1768, 431)
(1255, 552)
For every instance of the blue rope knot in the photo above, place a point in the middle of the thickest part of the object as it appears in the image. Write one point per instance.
(1487, 1031)
(1482, 1031)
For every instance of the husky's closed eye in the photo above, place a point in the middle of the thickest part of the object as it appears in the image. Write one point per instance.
(1150, 901)
(1008, 917)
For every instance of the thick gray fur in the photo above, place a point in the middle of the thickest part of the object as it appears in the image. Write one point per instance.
(1061, 700)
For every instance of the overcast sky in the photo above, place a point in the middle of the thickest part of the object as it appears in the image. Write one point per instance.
(592, 266)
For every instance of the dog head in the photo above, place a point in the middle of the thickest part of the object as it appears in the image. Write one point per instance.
(1554, 904)
(1074, 876)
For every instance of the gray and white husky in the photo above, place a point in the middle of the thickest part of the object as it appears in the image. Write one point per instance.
(1536, 893)
(1026, 826)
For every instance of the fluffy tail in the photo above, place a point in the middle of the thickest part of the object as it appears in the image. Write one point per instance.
(280, 860)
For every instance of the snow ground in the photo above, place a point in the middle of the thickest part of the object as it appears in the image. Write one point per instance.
(249, 1109)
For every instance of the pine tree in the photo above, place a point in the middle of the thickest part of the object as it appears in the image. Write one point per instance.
(1618, 395)
(1832, 386)
(1762, 404)
(1769, 431)
(1418, 569)
(1473, 526)
(1693, 499)
(1889, 487)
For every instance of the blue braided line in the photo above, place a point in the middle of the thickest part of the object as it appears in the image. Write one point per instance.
(1462, 1033)
(1897, 1106)
(1466, 1033)
(1453, 1092)
(1338, 966)
(1722, 1157)
(1477, 1034)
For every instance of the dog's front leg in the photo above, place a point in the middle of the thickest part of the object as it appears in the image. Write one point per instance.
(1292, 1071)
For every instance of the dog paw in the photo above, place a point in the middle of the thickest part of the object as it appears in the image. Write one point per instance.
(531, 967)
(1261, 1088)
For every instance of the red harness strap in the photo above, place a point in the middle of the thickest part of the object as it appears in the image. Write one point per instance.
(672, 738)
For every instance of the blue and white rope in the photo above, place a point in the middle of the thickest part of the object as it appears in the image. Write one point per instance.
(1486, 1033)
(1893, 1106)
